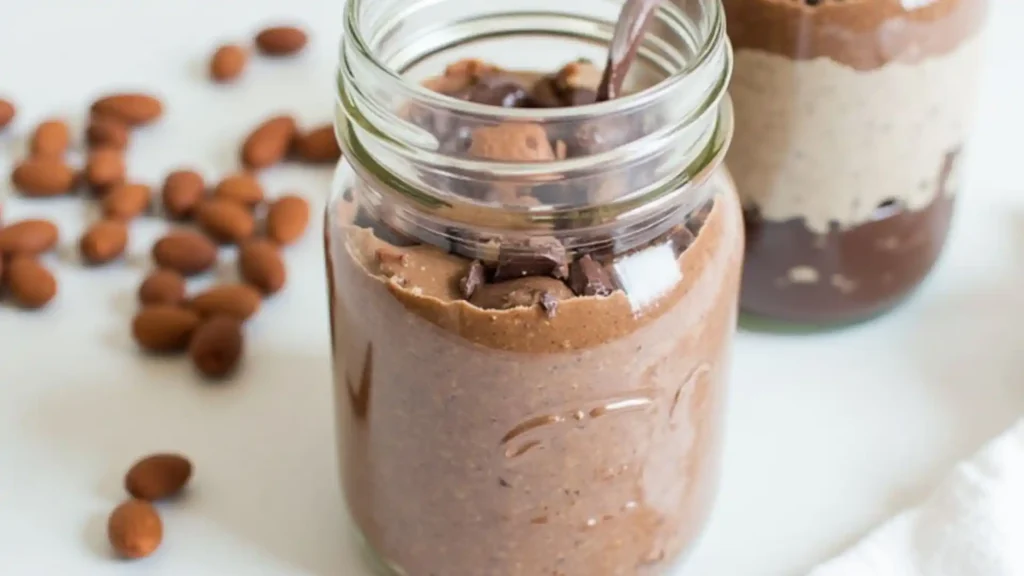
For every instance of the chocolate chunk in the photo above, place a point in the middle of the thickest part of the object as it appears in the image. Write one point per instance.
(524, 292)
(549, 303)
(587, 277)
(579, 97)
(545, 94)
(682, 237)
(696, 220)
(495, 90)
(539, 256)
(473, 279)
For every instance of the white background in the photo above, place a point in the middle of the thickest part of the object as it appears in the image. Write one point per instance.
(827, 435)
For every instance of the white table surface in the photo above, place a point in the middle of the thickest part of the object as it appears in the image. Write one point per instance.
(827, 434)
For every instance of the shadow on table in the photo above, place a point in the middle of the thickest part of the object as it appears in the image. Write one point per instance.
(262, 445)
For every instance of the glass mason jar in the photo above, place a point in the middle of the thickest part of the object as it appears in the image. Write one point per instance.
(851, 116)
(531, 309)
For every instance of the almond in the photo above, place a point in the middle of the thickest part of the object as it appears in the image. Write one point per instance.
(260, 264)
(185, 252)
(242, 187)
(158, 476)
(268, 143)
(126, 201)
(164, 328)
(281, 40)
(29, 282)
(183, 189)
(107, 133)
(318, 146)
(7, 113)
(162, 287)
(135, 529)
(238, 301)
(225, 221)
(216, 346)
(104, 242)
(42, 177)
(51, 138)
(287, 219)
(133, 109)
(30, 237)
(228, 63)
(104, 168)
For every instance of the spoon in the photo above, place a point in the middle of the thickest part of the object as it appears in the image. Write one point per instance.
(629, 33)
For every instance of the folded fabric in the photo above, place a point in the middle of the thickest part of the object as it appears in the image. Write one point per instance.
(973, 525)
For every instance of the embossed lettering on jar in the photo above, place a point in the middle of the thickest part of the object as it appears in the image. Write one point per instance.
(532, 297)
(851, 118)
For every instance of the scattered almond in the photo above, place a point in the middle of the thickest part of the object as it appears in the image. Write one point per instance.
(104, 242)
(216, 346)
(7, 113)
(228, 63)
(135, 529)
(225, 221)
(162, 287)
(29, 282)
(158, 476)
(242, 188)
(126, 201)
(268, 143)
(51, 138)
(133, 109)
(104, 168)
(260, 264)
(281, 40)
(183, 189)
(318, 146)
(28, 237)
(43, 177)
(107, 133)
(185, 252)
(164, 328)
(287, 219)
(239, 301)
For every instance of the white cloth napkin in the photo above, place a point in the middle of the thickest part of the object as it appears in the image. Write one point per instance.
(973, 525)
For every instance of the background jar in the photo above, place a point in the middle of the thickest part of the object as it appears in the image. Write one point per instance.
(509, 434)
(851, 117)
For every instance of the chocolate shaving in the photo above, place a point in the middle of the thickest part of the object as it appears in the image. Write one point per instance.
(473, 279)
(549, 303)
(540, 256)
(587, 277)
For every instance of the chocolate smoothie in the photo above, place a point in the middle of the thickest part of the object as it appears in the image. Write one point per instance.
(556, 411)
(850, 119)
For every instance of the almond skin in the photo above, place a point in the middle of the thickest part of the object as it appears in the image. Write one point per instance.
(28, 237)
(42, 177)
(162, 287)
(104, 242)
(158, 476)
(268, 143)
(287, 219)
(7, 113)
(242, 188)
(216, 347)
(30, 284)
(228, 63)
(135, 529)
(225, 221)
(51, 138)
(104, 168)
(164, 328)
(126, 201)
(318, 146)
(239, 301)
(185, 252)
(183, 189)
(134, 109)
(107, 133)
(260, 264)
(281, 40)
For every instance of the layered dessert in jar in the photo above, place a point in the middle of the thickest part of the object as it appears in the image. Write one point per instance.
(531, 404)
(851, 120)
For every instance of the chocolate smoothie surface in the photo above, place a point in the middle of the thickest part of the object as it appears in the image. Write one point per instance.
(521, 409)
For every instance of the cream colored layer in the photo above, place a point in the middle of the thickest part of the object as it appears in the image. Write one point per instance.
(821, 141)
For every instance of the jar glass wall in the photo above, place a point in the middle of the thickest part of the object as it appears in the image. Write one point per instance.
(851, 118)
(530, 352)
